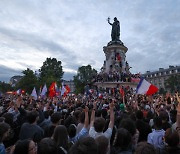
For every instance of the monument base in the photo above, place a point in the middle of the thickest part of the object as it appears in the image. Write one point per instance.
(115, 84)
(118, 42)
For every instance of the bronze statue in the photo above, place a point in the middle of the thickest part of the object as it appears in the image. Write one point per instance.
(115, 32)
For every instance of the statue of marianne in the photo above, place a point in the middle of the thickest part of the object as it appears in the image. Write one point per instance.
(115, 32)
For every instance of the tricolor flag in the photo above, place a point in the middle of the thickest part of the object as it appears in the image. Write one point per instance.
(57, 90)
(144, 87)
(91, 91)
(34, 94)
(100, 95)
(18, 91)
(44, 90)
(65, 90)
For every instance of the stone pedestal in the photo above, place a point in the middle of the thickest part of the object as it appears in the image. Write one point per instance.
(105, 85)
(115, 58)
(115, 63)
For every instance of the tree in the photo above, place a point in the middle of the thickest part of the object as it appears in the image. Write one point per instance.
(162, 91)
(173, 83)
(28, 81)
(84, 77)
(4, 87)
(51, 71)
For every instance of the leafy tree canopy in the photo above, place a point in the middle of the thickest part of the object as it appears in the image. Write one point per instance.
(51, 71)
(84, 76)
(4, 87)
(173, 83)
(28, 81)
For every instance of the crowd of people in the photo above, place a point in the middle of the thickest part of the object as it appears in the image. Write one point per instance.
(116, 77)
(88, 124)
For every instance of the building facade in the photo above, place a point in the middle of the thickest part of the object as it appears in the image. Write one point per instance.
(158, 77)
(70, 84)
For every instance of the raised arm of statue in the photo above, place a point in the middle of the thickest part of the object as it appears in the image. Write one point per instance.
(108, 19)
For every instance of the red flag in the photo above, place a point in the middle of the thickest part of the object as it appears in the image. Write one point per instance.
(23, 91)
(118, 57)
(121, 90)
(67, 90)
(52, 90)
(113, 90)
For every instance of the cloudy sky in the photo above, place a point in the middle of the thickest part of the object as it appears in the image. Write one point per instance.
(75, 31)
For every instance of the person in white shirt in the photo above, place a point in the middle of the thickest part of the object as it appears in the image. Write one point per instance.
(97, 125)
(156, 138)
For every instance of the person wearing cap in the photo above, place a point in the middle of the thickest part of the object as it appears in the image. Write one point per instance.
(122, 108)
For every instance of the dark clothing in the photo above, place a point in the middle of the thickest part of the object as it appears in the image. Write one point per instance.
(165, 126)
(120, 151)
(2, 149)
(31, 131)
(61, 150)
(45, 123)
(171, 150)
(115, 33)
(49, 130)
(144, 129)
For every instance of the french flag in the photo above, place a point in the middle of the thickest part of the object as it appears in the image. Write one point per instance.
(34, 94)
(91, 91)
(100, 95)
(44, 90)
(18, 91)
(144, 87)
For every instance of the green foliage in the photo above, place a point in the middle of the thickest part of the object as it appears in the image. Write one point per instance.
(51, 71)
(4, 87)
(84, 76)
(162, 91)
(28, 81)
(173, 83)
